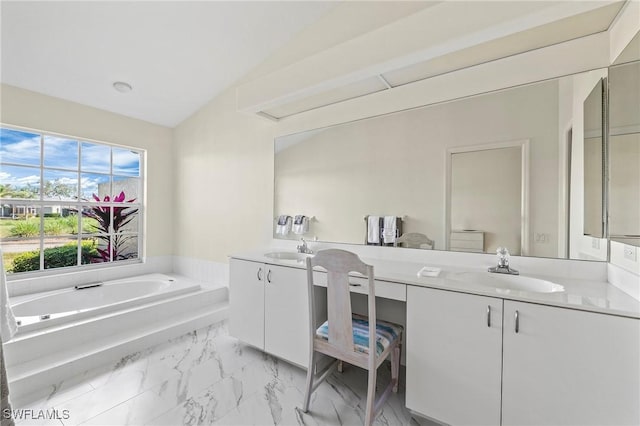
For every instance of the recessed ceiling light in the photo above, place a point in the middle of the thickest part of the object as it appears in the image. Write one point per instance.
(122, 86)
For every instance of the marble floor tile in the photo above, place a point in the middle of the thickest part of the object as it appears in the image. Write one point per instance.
(207, 377)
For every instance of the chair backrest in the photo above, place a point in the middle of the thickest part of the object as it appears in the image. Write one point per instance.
(338, 264)
(415, 240)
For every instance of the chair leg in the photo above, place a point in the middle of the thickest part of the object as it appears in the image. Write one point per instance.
(395, 367)
(371, 398)
(310, 374)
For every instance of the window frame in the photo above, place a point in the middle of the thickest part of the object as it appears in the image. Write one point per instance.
(41, 202)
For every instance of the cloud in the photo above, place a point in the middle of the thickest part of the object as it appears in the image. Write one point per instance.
(19, 147)
(60, 153)
(126, 162)
(95, 158)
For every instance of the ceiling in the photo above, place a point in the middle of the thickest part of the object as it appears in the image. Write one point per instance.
(530, 26)
(177, 55)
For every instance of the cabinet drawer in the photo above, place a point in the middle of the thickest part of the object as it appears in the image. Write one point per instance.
(387, 290)
(466, 245)
(467, 236)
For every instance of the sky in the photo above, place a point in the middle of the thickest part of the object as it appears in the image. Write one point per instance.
(20, 155)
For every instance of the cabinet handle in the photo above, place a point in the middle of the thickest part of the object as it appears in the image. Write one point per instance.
(517, 318)
(488, 315)
(269, 276)
(259, 274)
(355, 285)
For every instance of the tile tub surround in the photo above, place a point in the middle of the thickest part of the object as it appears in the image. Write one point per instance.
(208, 377)
(205, 271)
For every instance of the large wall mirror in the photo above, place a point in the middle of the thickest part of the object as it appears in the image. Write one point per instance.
(531, 167)
(501, 168)
(624, 146)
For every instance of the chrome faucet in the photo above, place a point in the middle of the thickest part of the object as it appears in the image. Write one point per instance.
(503, 263)
(303, 248)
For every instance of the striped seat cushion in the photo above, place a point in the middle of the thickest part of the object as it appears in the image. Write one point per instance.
(386, 333)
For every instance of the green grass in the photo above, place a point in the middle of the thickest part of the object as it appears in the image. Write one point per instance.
(52, 226)
(29, 229)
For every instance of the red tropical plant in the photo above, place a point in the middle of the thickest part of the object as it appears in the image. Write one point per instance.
(121, 217)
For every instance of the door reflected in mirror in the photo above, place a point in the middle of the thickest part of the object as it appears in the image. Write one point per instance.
(488, 190)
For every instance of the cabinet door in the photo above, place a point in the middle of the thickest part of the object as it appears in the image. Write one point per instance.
(568, 367)
(454, 356)
(246, 301)
(286, 331)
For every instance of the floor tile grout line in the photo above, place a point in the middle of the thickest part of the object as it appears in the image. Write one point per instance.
(150, 389)
(110, 408)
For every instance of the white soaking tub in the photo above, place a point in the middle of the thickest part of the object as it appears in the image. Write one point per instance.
(64, 332)
(82, 301)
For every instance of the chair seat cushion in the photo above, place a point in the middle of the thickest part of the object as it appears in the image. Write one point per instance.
(386, 333)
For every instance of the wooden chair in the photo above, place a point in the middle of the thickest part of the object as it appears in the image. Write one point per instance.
(345, 336)
(415, 240)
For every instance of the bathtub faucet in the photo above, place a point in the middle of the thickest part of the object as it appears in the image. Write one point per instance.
(90, 285)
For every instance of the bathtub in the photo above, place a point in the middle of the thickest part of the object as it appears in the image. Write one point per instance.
(57, 307)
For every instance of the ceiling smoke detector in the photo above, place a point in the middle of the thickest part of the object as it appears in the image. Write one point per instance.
(122, 87)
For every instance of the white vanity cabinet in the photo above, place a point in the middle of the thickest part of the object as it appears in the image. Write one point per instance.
(557, 366)
(246, 301)
(566, 366)
(286, 314)
(454, 360)
(269, 308)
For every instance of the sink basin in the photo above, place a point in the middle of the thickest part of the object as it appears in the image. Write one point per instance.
(502, 282)
(288, 255)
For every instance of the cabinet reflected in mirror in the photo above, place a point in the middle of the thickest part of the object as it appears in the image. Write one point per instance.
(594, 160)
(396, 164)
(624, 146)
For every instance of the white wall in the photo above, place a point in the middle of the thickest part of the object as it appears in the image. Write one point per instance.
(40, 112)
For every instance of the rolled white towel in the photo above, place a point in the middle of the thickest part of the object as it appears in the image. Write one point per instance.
(389, 230)
(373, 230)
(300, 225)
(284, 225)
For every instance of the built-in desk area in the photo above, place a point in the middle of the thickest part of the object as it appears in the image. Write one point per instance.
(490, 349)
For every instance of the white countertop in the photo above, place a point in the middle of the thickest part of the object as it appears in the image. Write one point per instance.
(586, 295)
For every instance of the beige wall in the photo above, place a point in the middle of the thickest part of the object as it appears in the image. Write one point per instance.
(223, 183)
(40, 112)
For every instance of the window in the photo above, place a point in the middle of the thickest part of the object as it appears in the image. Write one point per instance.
(66, 202)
